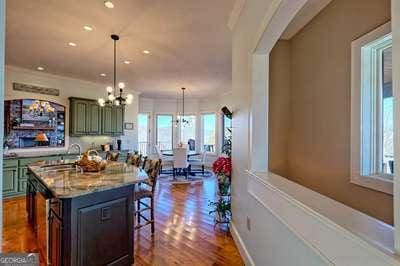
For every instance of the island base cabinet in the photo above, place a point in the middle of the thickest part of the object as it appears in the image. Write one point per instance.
(94, 229)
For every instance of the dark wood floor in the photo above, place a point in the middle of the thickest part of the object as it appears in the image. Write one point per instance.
(185, 233)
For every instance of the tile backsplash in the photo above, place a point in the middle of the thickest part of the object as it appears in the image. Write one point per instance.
(87, 142)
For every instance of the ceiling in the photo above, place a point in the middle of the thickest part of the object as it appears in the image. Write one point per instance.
(189, 41)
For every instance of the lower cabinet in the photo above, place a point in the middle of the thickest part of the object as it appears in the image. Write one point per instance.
(10, 181)
(55, 240)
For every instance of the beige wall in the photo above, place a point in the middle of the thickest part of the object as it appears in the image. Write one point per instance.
(279, 107)
(318, 143)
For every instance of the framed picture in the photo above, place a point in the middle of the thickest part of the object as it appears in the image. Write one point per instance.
(128, 126)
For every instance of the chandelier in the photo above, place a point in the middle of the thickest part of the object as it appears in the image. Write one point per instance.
(181, 119)
(39, 108)
(115, 94)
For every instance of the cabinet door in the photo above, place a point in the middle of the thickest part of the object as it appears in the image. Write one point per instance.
(79, 111)
(107, 126)
(93, 119)
(10, 181)
(55, 240)
(118, 120)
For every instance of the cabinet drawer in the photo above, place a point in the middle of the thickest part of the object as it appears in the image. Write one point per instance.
(10, 163)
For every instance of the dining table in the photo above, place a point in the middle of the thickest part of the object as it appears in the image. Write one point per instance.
(171, 153)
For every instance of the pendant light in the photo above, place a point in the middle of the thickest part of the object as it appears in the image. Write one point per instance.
(182, 121)
(115, 94)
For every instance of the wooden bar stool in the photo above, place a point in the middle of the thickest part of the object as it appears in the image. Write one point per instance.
(146, 190)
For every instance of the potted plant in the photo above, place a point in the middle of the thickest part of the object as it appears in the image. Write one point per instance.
(222, 210)
(222, 168)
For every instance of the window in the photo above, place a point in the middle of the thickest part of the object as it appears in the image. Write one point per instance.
(372, 111)
(208, 132)
(164, 132)
(187, 131)
(143, 133)
(227, 130)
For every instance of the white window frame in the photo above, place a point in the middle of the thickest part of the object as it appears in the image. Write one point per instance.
(215, 131)
(365, 153)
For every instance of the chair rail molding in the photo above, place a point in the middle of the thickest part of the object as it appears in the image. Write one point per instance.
(333, 243)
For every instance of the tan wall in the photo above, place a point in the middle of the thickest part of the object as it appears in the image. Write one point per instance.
(318, 151)
(279, 107)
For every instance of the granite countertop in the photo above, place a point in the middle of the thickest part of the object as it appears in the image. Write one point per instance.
(12, 155)
(65, 181)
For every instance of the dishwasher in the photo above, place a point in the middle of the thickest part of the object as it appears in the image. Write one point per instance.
(42, 208)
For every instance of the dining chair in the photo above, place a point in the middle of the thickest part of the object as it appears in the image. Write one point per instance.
(180, 161)
(192, 144)
(166, 160)
(134, 159)
(201, 161)
(112, 156)
(146, 191)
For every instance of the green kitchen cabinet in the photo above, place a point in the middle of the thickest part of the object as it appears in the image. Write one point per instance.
(78, 117)
(113, 120)
(107, 113)
(93, 122)
(88, 118)
(85, 117)
(119, 120)
(10, 178)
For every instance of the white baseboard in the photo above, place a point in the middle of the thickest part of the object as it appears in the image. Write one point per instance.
(240, 245)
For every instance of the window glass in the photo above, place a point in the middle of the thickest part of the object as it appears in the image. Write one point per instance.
(187, 130)
(227, 125)
(164, 132)
(209, 131)
(387, 111)
(143, 133)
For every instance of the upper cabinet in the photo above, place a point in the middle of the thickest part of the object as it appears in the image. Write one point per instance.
(88, 118)
(113, 120)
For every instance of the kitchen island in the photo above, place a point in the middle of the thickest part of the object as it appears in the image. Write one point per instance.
(83, 218)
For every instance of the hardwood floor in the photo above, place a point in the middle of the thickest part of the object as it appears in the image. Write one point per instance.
(185, 233)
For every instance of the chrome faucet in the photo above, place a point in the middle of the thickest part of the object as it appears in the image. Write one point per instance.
(74, 145)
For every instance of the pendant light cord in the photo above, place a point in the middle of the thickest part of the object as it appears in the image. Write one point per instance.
(115, 65)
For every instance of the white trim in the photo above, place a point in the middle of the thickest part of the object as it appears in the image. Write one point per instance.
(359, 169)
(248, 260)
(235, 14)
(306, 212)
(395, 6)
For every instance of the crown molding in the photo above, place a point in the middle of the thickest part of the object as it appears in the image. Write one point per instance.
(235, 14)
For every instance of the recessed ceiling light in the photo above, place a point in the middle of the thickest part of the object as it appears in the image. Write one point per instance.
(108, 4)
(87, 28)
(72, 44)
(127, 62)
(103, 74)
(40, 68)
(146, 52)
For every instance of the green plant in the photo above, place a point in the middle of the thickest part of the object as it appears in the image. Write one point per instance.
(227, 146)
(222, 207)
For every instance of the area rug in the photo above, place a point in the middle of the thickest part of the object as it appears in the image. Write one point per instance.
(195, 176)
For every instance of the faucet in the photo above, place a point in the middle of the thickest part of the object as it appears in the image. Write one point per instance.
(74, 145)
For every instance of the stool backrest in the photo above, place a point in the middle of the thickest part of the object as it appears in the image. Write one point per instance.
(152, 168)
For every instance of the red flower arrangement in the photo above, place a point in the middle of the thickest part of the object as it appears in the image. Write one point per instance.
(222, 166)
